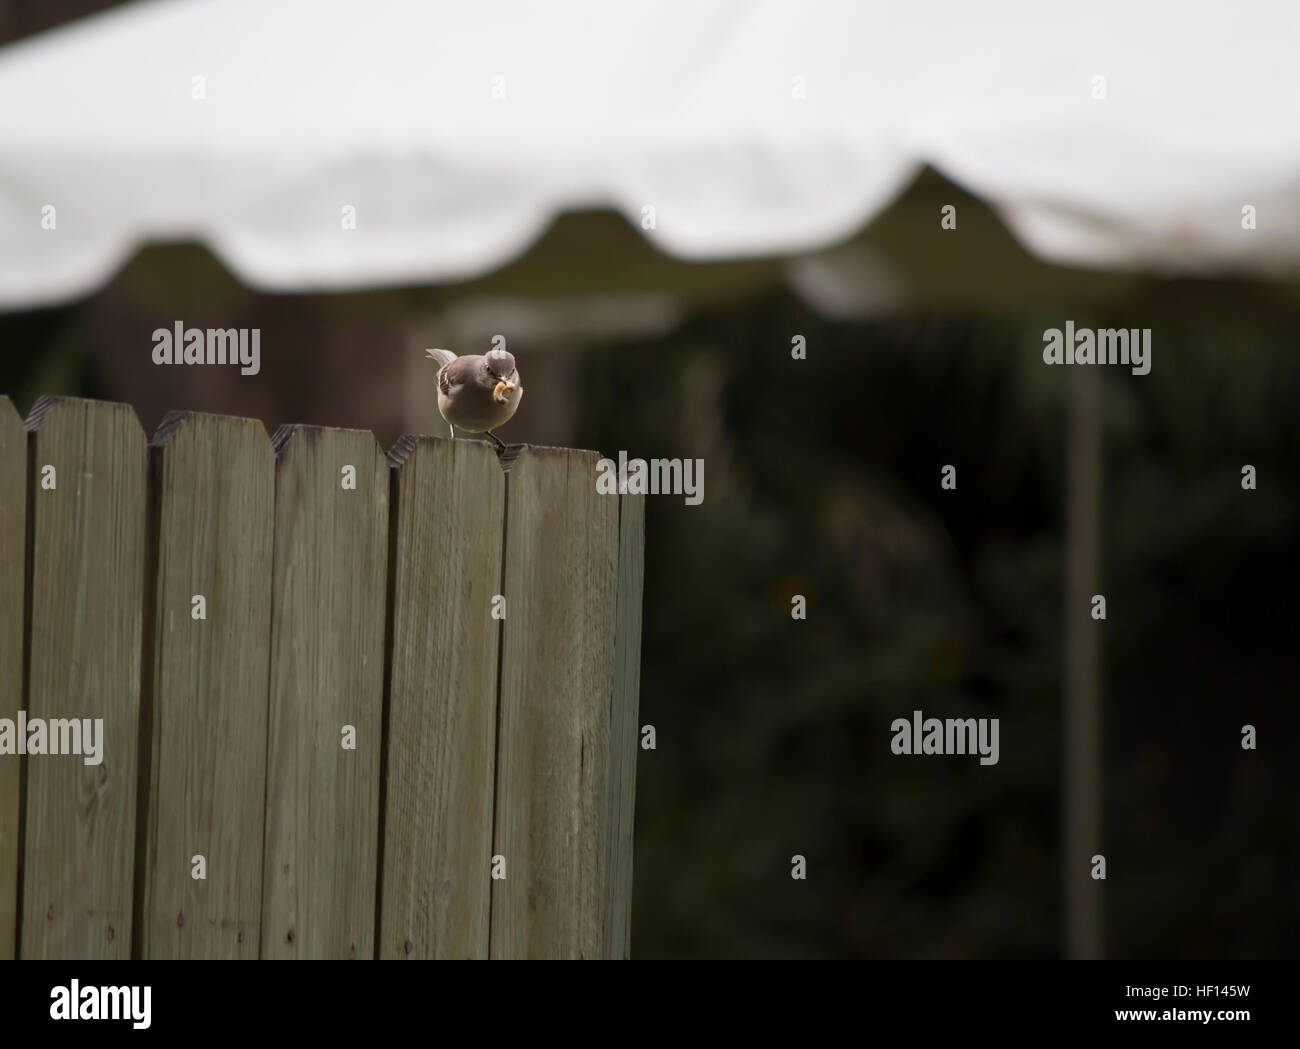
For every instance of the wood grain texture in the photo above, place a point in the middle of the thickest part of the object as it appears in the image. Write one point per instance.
(442, 713)
(212, 506)
(329, 599)
(13, 557)
(557, 676)
(624, 730)
(87, 566)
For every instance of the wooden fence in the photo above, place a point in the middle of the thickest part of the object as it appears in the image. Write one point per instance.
(386, 706)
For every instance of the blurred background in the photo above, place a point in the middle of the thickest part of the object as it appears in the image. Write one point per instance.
(923, 348)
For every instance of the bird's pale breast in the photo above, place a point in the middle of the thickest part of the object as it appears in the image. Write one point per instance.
(473, 408)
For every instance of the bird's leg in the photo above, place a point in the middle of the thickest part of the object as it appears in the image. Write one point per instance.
(453, 431)
(501, 445)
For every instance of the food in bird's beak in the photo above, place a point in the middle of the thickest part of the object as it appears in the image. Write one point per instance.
(502, 390)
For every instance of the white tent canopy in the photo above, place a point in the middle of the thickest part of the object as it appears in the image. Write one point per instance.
(1107, 134)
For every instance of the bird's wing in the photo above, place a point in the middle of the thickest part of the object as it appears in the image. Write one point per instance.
(442, 358)
(456, 372)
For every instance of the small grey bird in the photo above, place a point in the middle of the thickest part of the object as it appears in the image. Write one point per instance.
(477, 393)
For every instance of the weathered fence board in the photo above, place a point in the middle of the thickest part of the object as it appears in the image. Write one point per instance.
(327, 672)
(557, 677)
(442, 709)
(87, 580)
(13, 532)
(401, 722)
(624, 729)
(205, 697)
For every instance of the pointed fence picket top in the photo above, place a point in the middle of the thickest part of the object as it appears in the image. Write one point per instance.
(448, 519)
(208, 634)
(326, 694)
(85, 574)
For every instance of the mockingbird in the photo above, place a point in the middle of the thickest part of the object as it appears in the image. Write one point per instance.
(476, 392)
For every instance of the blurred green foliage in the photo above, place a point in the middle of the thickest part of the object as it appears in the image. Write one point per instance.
(822, 479)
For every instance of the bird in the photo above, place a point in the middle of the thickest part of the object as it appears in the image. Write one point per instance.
(477, 392)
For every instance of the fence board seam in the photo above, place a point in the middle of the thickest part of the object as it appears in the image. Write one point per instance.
(278, 440)
(390, 600)
(501, 657)
(146, 803)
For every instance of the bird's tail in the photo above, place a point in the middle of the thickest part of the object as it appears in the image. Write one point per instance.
(440, 357)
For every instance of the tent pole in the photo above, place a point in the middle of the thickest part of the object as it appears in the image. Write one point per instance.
(1081, 744)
